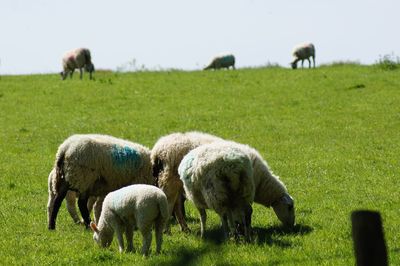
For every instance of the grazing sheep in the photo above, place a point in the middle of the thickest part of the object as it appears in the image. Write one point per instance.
(219, 177)
(78, 58)
(222, 61)
(302, 52)
(128, 209)
(269, 189)
(94, 165)
(166, 156)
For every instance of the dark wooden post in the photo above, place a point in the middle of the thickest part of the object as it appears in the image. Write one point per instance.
(369, 242)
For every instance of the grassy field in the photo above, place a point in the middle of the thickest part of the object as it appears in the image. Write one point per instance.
(331, 134)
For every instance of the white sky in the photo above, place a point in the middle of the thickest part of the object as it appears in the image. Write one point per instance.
(186, 34)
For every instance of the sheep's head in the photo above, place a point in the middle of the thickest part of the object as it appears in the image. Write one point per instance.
(63, 75)
(102, 239)
(294, 64)
(89, 67)
(284, 209)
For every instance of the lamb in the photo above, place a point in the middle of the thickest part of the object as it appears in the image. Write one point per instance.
(166, 156)
(219, 177)
(302, 52)
(222, 61)
(269, 189)
(78, 58)
(128, 209)
(94, 165)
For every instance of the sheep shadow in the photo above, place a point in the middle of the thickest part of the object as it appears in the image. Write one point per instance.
(261, 236)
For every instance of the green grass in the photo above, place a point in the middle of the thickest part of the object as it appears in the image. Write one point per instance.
(331, 134)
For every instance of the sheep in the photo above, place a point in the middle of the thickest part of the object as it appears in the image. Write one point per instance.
(269, 189)
(94, 165)
(219, 177)
(166, 156)
(222, 61)
(128, 209)
(78, 58)
(302, 52)
(169, 150)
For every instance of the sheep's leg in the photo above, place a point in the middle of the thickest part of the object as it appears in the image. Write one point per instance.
(159, 226)
(71, 73)
(309, 62)
(179, 211)
(120, 238)
(225, 226)
(97, 207)
(146, 233)
(80, 73)
(129, 237)
(71, 206)
(313, 58)
(60, 195)
(203, 218)
(302, 63)
(82, 204)
(50, 205)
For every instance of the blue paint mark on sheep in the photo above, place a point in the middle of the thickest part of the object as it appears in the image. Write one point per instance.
(125, 156)
(186, 166)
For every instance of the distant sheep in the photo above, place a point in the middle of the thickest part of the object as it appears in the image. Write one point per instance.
(222, 61)
(94, 165)
(269, 189)
(78, 58)
(302, 52)
(166, 156)
(128, 209)
(219, 177)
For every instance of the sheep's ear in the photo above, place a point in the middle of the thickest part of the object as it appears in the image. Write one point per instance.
(94, 227)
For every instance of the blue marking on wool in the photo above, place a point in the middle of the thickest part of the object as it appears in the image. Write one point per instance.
(125, 156)
(186, 164)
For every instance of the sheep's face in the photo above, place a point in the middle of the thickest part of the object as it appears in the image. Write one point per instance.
(294, 65)
(284, 209)
(101, 239)
(89, 68)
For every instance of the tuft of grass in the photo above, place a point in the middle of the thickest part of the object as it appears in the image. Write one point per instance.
(331, 134)
(388, 62)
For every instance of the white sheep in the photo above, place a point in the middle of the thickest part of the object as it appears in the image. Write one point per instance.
(269, 189)
(219, 177)
(166, 156)
(94, 165)
(222, 61)
(128, 209)
(78, 58)
(302, 52)
(169, 150)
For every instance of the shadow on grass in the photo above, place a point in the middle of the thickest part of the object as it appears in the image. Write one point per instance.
(214, 237)
(269, 235)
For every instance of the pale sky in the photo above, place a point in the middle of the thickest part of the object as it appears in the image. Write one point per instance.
(186, 34)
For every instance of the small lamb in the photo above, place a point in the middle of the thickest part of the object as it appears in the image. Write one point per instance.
(78, 58)
(128, 209)
(303, 52)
